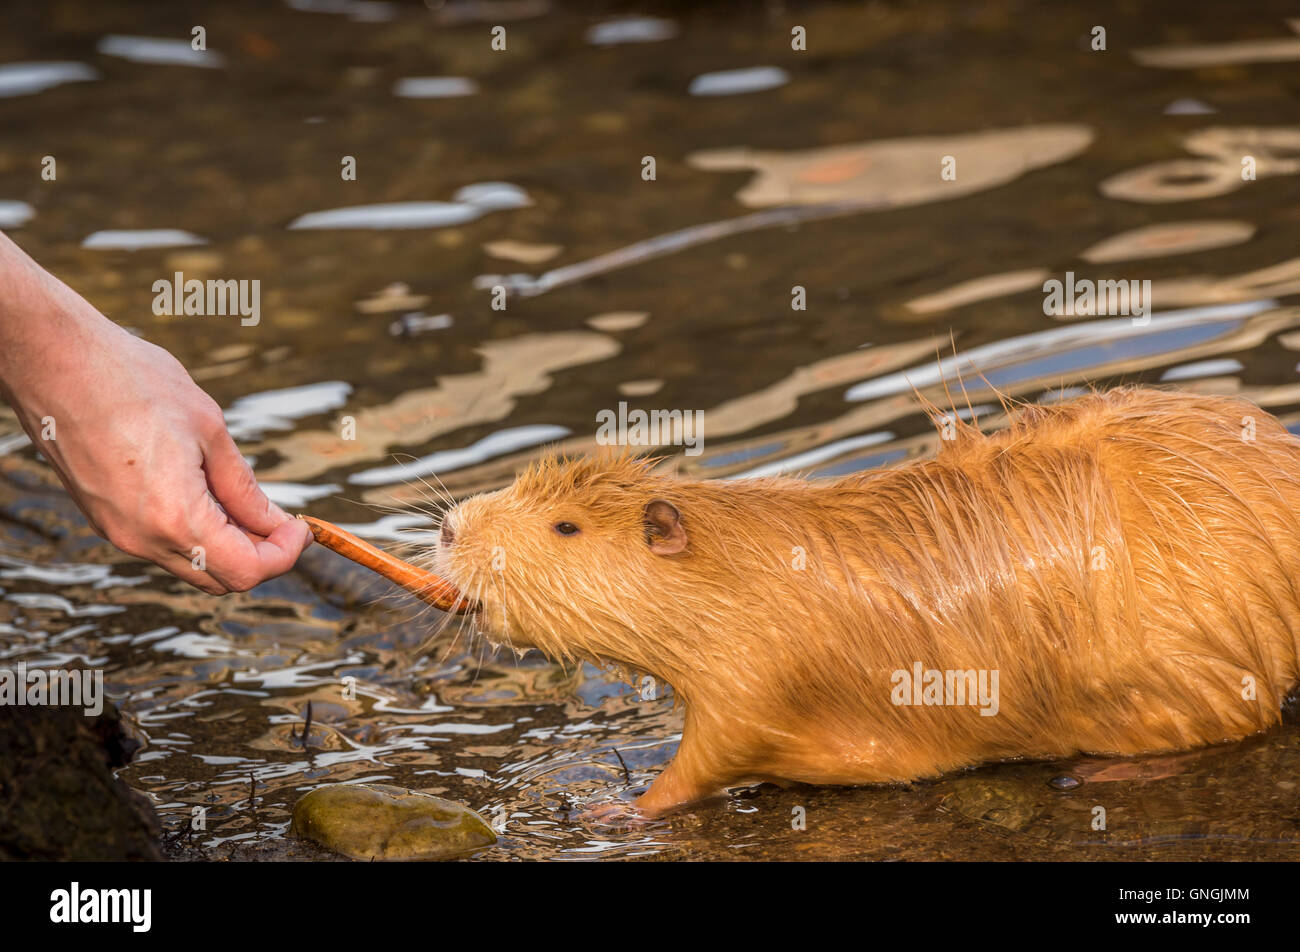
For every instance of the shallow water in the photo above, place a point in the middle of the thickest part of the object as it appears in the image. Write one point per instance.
(476, 168)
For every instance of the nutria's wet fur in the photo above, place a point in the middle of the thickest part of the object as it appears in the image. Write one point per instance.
(1128, 562)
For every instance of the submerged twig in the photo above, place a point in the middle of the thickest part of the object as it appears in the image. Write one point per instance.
(627, 775)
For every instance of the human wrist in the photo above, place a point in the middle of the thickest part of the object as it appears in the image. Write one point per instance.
(43, 322)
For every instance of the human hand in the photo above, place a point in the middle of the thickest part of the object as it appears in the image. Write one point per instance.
(146, 455)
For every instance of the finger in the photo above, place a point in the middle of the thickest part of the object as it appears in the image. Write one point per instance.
(239, 562)
(182, 567)
(280, 550)
(234, 486)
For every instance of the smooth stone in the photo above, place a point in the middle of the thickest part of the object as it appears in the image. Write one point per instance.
(378, 821)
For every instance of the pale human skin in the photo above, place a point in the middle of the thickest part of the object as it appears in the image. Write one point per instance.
(142, 450)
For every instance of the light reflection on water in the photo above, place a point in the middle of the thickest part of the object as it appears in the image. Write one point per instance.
(377, 308)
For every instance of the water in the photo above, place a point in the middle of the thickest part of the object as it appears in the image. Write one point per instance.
(476, 168)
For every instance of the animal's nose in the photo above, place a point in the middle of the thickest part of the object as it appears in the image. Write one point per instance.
(448, 533)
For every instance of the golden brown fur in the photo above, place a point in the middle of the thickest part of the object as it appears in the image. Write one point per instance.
(1122, 561)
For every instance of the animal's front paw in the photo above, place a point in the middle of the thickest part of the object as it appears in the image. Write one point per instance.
(613, 815)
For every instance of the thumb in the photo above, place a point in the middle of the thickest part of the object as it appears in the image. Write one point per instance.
(233, 485)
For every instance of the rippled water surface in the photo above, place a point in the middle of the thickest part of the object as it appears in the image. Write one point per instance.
(524, 169)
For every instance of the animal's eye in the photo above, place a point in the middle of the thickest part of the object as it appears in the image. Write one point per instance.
(566, 528)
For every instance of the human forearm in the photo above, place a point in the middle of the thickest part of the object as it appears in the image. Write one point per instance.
(45, 326)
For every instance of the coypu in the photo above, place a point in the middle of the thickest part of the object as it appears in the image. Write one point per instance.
(1124, 566)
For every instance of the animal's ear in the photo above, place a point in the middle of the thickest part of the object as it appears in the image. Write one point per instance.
(663, 528)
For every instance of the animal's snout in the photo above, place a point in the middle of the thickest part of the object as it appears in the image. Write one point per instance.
(448, 534)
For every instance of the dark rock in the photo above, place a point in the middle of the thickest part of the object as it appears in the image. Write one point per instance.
(59, 799)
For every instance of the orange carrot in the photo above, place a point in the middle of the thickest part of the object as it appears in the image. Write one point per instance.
(438, 592)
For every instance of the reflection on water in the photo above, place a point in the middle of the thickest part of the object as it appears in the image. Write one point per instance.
(434, 87)
(468, 204)
(14, 214)
(145, 49)
(382, 320)
(512, 368)
(897, 172)
(26, 79)
(631, 30)
(117, 239)
(1178, 238)
(1184, 56)
(733, 82)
